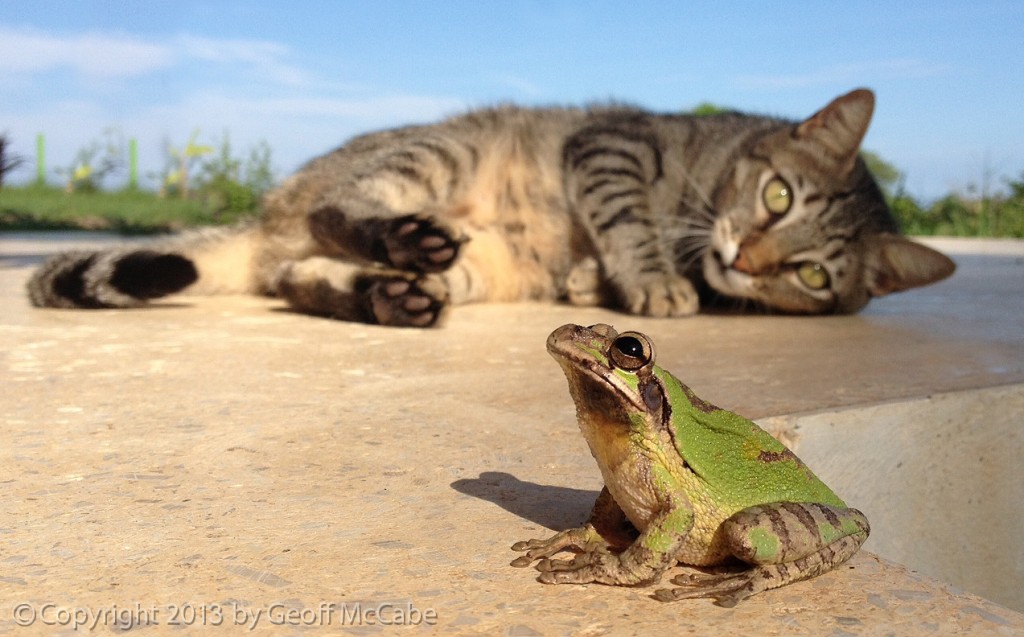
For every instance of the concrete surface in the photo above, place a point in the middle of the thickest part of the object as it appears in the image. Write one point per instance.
(211, 458)
(939, 477)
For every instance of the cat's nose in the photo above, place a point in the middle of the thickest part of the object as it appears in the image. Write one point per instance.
(742, 262)
(757, 255)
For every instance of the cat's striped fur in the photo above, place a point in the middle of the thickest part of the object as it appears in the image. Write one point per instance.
(607, 205)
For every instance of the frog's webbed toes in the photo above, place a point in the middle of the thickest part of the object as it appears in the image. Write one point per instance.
(727, 590)
(536, 550)
(522, 561)
(550, 565)
(727, 587)
(696, 576)
(591, 566)
(592, 554)
(579, 539)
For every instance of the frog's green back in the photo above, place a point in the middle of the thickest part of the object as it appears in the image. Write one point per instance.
(735, 456)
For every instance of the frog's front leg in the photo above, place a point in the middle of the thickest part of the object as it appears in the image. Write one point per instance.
(643, 562)
(584, 538)
(783, 542)
(607, 528)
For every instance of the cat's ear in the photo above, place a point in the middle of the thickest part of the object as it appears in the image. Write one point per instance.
(839, 128)
(894, 263)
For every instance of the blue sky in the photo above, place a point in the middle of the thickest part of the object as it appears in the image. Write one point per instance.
(304, 76)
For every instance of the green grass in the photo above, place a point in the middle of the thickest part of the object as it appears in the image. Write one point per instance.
(127, 212)
(953, 216)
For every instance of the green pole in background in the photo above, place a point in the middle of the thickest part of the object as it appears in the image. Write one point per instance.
(40, 160)
(133, 164)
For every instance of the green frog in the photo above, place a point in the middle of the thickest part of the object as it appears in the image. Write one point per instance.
(685, 483)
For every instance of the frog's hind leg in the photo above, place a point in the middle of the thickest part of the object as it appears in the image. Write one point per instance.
(782, 543)
(730, 589)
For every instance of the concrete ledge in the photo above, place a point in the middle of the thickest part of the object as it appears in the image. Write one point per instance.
(939, 478)
(223, 453)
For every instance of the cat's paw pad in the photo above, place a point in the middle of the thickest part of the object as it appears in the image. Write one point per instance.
(422, 243)
(662, 296)
(583, 285)
(405, 300)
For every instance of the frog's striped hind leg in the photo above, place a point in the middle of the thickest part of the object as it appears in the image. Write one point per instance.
(784, 543)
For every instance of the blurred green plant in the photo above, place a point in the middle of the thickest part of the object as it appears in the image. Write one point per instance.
(707, 108)
(175, 178)
(231, 186)
(95, 162)
(889, 178)
(966, 215)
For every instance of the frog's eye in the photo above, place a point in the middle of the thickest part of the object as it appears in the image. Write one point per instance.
(777, 196)
(813, 275)
(631, 351)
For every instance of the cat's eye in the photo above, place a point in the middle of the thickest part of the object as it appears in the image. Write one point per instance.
(813, 275)
(631, 351)
(777, 196)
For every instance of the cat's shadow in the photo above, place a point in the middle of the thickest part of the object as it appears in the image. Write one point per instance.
(555, 508)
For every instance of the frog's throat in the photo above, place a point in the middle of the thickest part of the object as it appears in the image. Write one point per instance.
(622, 384)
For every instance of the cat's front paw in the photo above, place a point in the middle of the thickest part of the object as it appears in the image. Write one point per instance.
(662, 296)
(583, 285)
(422, 243)
(400, 299)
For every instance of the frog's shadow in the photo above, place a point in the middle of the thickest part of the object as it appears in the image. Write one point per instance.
(556, 508)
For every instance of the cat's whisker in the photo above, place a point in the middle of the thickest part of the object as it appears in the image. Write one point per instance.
(688, 254)
(690, 227)
(700, 215)
(696, 187)
(701, 223)
(707, 214)
(687, 250)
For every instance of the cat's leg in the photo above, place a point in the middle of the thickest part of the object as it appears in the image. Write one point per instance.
(611, 171)
(395, 205)
(367, 232)
(389, 215)
(325, 286)
(583, 285)
(392, 212)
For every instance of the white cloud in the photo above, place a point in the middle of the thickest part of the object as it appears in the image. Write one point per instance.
(92, 54)
(114, 55)
(262, 57)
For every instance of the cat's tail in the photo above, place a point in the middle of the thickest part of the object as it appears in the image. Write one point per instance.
(205, 261)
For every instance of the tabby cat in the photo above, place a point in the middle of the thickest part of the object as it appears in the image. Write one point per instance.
(608, 205)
